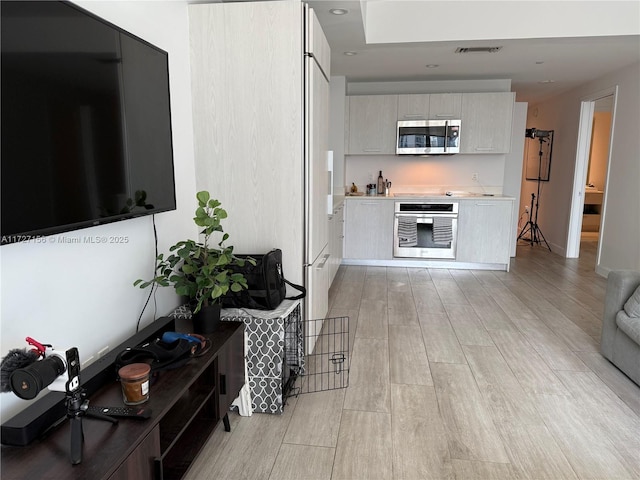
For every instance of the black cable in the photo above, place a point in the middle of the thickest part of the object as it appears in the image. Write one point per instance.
(153, 285)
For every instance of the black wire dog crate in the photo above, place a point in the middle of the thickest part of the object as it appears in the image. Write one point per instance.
(276, 342)
(326, 365)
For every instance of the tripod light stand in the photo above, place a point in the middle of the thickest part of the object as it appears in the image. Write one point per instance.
(531, 227)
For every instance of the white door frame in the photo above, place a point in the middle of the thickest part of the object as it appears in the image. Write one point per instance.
(587, 109)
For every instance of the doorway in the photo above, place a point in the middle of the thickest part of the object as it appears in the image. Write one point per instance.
(588, 207)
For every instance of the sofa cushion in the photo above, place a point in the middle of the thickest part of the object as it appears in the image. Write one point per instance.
(632, 306)
(629, 325)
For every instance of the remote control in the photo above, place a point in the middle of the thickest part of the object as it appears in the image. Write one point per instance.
(140, 413)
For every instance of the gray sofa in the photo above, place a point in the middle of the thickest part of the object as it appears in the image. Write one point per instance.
(620, 340)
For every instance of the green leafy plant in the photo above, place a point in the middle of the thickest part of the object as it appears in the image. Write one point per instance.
(196, 270)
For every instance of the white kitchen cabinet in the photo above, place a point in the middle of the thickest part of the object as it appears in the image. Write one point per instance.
(444, 106)
(372, 124)
(425, 106)
(484, 231)
(368, 229)
(486, 122)
(336, 240)
(413, 106)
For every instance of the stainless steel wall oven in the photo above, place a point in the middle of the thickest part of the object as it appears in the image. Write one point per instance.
(424, 229)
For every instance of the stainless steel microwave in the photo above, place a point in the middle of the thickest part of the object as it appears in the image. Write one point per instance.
(428, 137)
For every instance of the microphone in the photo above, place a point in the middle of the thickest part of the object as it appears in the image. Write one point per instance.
(14, 360)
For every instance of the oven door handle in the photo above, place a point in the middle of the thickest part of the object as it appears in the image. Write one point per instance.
(422, 218)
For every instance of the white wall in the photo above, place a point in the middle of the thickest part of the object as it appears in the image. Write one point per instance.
(513, 169)
(620, 246)
(82, 294)
(438, 173)
(599, 153)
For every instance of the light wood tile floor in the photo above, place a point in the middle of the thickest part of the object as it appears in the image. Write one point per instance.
(455, 374)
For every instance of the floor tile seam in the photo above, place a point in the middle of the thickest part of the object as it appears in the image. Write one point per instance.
(346, 409)
(558, 448)
(500, 430)
(615, 392)
(499, 307)
(281, 440)
(342, 409)
(309, 445)
(556, 330)
(591, 424)
(422, 335)
(607, 391)
(355, 333)
(485, 406)
(542, 355)
(480, 325)
(522, 386)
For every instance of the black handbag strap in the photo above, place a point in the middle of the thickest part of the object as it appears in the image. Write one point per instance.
(297, 287)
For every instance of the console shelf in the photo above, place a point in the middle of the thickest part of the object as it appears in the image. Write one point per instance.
(187, 404)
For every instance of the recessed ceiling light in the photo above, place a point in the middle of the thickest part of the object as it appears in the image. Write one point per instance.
(432, 65)
(350, 54)
(546, 81)
(339, 11)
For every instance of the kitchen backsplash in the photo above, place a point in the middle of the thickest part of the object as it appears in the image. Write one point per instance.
(428, 174)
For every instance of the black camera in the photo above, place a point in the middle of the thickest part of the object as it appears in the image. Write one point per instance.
(59, 371)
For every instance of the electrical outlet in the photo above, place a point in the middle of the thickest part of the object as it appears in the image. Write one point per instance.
(103, 352)
(474, 177)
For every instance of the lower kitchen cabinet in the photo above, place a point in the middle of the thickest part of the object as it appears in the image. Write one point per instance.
(336, 240)
(484, 231)
(369, 229)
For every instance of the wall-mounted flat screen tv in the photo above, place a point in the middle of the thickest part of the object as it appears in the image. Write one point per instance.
(86, 122)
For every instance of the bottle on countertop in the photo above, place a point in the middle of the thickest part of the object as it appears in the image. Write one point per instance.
(381, 185)
(353, 189)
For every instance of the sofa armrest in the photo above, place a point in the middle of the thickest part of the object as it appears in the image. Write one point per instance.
(620, 285)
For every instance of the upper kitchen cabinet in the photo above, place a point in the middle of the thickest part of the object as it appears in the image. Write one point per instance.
(434, 106)
(444, 106)
(372, 124)
(413, 106)
(486, 122)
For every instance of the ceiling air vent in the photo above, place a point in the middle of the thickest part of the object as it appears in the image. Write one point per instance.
(478, 49)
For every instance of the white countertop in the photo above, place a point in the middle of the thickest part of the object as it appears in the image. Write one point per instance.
(433, 196)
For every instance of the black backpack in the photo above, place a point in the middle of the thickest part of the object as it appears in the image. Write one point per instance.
(267, 285)
(158, 354)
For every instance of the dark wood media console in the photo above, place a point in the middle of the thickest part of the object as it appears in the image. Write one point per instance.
(187, 404)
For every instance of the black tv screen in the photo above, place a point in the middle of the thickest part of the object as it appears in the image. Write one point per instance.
(86, 123)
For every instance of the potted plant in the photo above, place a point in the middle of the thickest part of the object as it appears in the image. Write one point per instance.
(200, 272)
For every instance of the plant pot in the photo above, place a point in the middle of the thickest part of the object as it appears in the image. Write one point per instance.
(207, 319)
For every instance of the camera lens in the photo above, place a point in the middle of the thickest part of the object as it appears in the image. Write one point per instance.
(27, 382)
